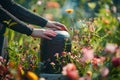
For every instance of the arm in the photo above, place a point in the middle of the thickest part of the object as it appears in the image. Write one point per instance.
(7, 19)
(13, 23)
(22, 13)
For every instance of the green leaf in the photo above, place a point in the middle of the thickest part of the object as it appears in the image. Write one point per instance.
(92, 5)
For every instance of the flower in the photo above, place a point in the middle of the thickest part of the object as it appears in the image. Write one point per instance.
(73, 75)
(64, 53)
(104, 71)
(69, 11)
(52, 63)
(49, 16)
(56, 55)
(32, 76)
(111, 47)
(116, 61)
(52, 4)
(95, 61)
(105, 21)
(71, 71)
(88, 54)
(89, 73)
(118, 52)
(39, 2)
(1, 59)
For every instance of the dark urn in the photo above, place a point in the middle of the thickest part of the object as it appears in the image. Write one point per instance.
(58, 44)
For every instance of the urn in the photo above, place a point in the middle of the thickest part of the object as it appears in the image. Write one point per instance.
(61, 42)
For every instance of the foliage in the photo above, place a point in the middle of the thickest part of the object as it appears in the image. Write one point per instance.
(94, 28)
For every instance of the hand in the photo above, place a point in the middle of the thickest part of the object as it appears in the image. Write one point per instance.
(42, 33)
(56, 25)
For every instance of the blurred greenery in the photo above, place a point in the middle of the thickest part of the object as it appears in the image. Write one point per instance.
(94, 22)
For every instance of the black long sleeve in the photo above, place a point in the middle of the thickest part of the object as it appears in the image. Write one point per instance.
(22, 13)
(13, 23)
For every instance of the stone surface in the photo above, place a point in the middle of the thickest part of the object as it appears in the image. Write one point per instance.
(53, 76)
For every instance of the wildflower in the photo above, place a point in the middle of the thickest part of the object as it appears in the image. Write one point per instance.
(108, 10)
(39, 2)
(88, 54)
(118, 52)
(52, 63)
(82, 78)
(1, 59)
(116, 61)
(91, 28)
(69, 11)
(56, 55)
(105, 21)
(11, 64)
(89, 73)
(20, 70)
(49, 16)
(32, 76)
(52, 4)
(42, 78)
(104, 71)
(73, 75)
(111, 47)
(64, 53)
(95, 61)
(114, 9)
(71, 71)
(118, 19)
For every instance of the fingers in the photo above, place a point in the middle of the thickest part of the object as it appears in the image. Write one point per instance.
(50, 33)
(42, 33)
(60, 26)
(57, 25)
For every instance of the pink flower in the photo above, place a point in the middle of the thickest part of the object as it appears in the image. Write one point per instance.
(56, 55)
(111, 47)
(116, 61)
(104, 71)
(82, 78)
(88, 54)
(95, 61)
(52, 63)
(70, 71)
(64, 53)
(1, 59)
(73, 75)
(69, 67)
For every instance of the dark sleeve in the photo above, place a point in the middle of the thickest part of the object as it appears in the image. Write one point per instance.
(22, 13)
(13, 23)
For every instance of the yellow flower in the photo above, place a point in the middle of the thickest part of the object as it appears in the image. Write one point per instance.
(32, 76)
(89, 73)
(69, 11)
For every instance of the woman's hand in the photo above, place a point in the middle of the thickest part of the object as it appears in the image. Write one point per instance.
(43, 33)
(56, 25)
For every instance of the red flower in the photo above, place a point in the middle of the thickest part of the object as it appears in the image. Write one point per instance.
(116, 62)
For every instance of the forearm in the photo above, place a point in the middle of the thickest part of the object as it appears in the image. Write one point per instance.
(13, 23)
(23, 14)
